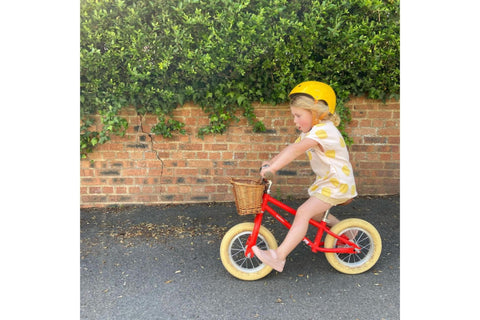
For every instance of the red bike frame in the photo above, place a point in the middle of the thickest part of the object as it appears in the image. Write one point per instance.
(315, 246)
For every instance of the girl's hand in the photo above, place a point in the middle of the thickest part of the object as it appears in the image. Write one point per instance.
(265, 168)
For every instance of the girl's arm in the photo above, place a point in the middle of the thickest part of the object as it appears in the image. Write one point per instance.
(288, 154)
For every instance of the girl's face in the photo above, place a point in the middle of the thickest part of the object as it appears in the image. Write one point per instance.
(302, 118)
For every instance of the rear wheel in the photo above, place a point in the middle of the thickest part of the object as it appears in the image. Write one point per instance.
(232, 252)
(366, 237)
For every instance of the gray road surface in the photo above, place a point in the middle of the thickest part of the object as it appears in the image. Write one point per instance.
(162, 262)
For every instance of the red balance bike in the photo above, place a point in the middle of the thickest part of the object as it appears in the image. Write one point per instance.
(352, 246)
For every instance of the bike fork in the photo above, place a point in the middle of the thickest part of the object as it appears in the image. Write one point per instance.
(252, 240)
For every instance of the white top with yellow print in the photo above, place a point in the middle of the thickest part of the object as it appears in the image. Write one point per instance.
(332, 167)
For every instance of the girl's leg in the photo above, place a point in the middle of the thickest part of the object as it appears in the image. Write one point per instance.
(309, 209)
(331, 220)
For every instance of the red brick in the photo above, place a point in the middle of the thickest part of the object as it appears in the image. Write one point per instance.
(92, 199)
(216, 147)
(364, 131)
(214, 155)
(389, 132)
(266, 147)
(92, 190)
(385, 156)
(107, 190)
(379, 123)
(121, 190)
(239, 146)
(358, 114)
(394, 140)
(380, 114)
(364, 106)
(134, 190)
(200, 164)
(185, 171)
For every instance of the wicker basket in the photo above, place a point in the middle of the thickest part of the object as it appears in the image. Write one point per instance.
(248, 195)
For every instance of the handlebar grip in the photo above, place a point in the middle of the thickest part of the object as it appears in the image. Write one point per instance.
(268, 175)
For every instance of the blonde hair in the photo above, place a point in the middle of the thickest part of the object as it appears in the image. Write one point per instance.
(318, 109)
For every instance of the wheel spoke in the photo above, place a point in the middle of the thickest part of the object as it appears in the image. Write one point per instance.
(364, 241)
(238, 249)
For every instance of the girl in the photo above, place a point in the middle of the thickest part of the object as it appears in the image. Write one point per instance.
(312, 104)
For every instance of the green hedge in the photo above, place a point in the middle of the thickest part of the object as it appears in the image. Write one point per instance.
(225, 54)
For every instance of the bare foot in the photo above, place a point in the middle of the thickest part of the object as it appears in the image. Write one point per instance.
(270, 258)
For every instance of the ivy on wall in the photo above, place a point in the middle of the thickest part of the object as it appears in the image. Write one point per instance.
(225, 54)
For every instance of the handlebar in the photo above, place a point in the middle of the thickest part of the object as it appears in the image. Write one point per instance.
(268, 175)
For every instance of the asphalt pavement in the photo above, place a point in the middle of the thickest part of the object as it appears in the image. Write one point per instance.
(163, 262)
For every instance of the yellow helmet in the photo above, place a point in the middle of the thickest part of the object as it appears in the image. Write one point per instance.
(318, 91)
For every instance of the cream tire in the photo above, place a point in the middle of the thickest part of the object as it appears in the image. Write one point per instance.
(367, 238)
(232, 252)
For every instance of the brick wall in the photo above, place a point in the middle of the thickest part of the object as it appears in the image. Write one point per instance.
(144, 169)
(375, 153)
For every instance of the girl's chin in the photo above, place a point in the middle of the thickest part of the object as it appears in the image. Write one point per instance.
(303, 130)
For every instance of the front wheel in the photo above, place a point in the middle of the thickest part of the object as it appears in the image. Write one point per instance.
(232, 252)
(365, 236)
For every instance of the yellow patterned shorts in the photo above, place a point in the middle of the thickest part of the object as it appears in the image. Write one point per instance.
(329, 200)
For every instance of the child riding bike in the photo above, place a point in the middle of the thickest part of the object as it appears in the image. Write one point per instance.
(312, 104)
